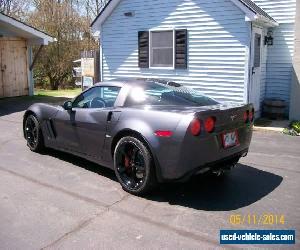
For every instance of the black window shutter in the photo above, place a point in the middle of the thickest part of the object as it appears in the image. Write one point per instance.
(181, 55)
(143, 49)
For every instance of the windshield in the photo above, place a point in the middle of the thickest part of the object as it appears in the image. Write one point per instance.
(154, 93)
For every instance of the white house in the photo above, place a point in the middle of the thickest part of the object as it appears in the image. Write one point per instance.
(220, 47)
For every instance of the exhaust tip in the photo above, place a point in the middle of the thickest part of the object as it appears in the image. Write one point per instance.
(219, 172)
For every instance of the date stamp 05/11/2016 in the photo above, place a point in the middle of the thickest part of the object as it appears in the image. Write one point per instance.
(267, 219)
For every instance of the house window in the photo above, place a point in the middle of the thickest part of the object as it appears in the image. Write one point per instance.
(166, 49)
(161, 49)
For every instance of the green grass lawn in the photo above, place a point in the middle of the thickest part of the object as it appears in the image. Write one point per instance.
(69, 93)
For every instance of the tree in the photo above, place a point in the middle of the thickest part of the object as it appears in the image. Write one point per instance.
(15, 8)
(60, 19)
(92, 7)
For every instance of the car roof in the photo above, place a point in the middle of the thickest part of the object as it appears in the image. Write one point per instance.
(120, 82)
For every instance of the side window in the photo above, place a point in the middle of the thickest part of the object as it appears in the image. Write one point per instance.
(97, 97)
(109, 95)
(84, 100)
(257, 50)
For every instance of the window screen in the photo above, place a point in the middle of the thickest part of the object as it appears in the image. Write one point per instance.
(257, 46)
(162, 48)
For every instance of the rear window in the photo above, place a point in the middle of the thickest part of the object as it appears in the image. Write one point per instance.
(155, 93)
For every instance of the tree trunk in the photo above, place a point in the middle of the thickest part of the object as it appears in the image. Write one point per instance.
(53, 83)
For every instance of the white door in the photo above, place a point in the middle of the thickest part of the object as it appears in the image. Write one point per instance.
(255, 80)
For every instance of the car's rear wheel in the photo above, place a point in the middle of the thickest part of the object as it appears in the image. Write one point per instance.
(33, 134)
(134, 167)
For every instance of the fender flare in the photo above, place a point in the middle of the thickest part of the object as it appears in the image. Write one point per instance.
(131, 132)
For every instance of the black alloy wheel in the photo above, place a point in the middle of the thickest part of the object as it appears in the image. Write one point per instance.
(33, 134)
(133, 166)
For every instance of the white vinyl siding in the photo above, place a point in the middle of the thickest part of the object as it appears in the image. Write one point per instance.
(218, 40)
(279, 63)
(283, 11)
(279, 56)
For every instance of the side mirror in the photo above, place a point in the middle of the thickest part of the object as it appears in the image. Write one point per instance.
(68, 105)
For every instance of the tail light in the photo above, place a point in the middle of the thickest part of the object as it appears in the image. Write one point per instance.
(251, 116)
(246, 116)
(163, 133)
(209, 124)
(195, 127)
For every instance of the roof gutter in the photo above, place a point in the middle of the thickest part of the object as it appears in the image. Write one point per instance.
(262, 20)
(266, 21)
(40, 35)
(252, 16)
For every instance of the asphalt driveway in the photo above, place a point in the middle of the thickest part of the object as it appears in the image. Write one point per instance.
(58, 201)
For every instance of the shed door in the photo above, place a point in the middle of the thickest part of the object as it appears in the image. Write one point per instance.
(13, 65)
(256, 54)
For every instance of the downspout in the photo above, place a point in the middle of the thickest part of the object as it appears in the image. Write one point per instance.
(101, 54)
(250, 63)
(30, 73)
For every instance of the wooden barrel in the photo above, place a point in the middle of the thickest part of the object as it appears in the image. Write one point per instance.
(274, 109)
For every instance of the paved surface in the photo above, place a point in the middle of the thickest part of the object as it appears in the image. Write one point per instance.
(275, 126)
(58, 201)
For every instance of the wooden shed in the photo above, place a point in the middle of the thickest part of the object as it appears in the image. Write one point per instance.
(16, 60)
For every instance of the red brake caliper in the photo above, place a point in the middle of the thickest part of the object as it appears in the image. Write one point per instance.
(127, 162)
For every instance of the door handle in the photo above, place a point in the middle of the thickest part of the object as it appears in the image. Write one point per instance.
(109, 116)
(253, 70)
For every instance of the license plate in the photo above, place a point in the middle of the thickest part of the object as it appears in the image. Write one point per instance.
(230, 139)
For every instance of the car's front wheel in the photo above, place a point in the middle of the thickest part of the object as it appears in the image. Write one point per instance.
(134, 166)
(33, 134)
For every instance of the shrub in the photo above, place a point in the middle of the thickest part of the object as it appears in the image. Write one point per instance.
(293, 130)
(296, 126)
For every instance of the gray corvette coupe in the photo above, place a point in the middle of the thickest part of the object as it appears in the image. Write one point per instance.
(148, 130)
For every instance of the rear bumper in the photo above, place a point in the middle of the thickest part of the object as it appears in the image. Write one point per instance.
(225, 163)
(183, 158)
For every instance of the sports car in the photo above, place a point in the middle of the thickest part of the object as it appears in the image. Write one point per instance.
(148, 131)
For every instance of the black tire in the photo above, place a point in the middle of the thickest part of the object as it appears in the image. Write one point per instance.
(134, 166)
(33, 134)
